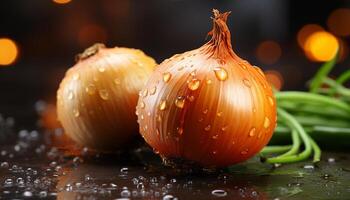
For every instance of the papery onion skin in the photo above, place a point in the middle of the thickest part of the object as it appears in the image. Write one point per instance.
(209, 107)
(96, 99)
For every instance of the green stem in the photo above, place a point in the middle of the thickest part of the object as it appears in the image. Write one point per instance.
(321, 73)
(294, 125)
(296, 144)
(312, 120)
(343, 77)
(316, 149)
(314, 109)
(336, 88)
(275, 149)
(314, 98)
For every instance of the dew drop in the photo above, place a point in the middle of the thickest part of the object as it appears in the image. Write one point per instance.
(215, 137)
(27, 194)
(200, 119)
(243, 64)
(309, 167)
(169, 197)
(220, 73)
(266, 122)
(159, 118)
(271, 100)
(247, 83)
(166, 77)
(70, 95)
(209, 81)
(244, 152)
(76, 113)
(205, 111)
(157, 132)
(252, 132)
(142, 104)
(117, 81)
(4, 165)
(219, 193)
(125, 193)
(162, 105)
(180, 130)
(191, 98)
(180, 101)
(194, 84)
(91, 89)
(224, 128)
(145, 93)
(101, 69)
(193, 73)
(215, 152)
(153, 90)
(104, 94)
(219, 114)
(76, 76)
(207, 128)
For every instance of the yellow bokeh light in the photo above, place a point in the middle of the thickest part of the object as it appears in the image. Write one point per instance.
(62, 1)
(8, 51)
(338, 22)
(321, 46)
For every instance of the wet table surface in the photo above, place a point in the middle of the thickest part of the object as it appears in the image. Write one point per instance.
(35, 166)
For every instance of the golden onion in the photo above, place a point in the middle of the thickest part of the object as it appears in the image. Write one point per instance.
(96, 99)
(207, 106)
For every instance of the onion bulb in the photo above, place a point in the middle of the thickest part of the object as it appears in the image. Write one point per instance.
(207, 107)
(96, 99)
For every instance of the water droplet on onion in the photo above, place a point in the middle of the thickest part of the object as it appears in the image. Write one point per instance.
(104, 94)
(194, 84)
(220, 73)
(162, 105)
(166, 77)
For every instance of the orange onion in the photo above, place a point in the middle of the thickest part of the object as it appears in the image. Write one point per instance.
(207, 107)
(96, 99)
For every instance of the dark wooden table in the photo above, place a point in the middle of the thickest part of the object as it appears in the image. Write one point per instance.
(34, 167)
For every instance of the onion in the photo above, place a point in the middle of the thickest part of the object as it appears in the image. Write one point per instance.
(207, 106)
(97, 98)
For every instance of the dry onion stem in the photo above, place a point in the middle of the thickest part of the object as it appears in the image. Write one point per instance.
(207, 106)
(96, 100)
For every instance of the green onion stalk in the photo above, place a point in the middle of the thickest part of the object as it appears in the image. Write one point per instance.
(307, 117)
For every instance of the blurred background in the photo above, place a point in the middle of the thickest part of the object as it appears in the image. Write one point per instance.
(288, 39)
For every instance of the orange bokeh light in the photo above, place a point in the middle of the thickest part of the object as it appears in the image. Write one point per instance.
(268, 52)
(274, 78)
(321, 46)
(8, 51)
(343, 50)
(338, 22)
(305, 32)
(61, 1)
(90, 34)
